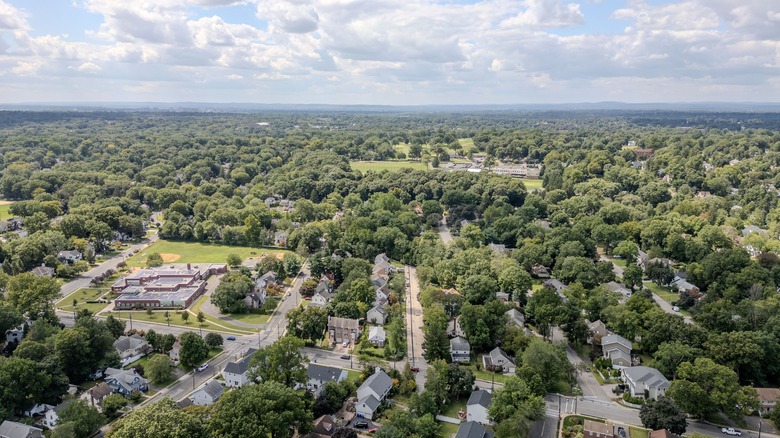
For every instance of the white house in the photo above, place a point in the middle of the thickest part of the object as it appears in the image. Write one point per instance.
(320, 298)
(377, 315)
(51, 418)
(377, 336)
(319, 375)
(125, 382)
(477, 407)
(460, 350)
(280, 238)
(94, 396)
(643, 381)
(15, 334)
(131, 346)
(498, 358)
(69, 256)
(371, 394)
(235, 373)
(208, 394)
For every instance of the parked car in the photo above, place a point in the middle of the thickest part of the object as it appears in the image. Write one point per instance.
(731, 431)
(345, 356)
(345, 344)
(360, 425)
(621, 431)
(231, 338)
(676, 309)
(415, 369)
(202, 367)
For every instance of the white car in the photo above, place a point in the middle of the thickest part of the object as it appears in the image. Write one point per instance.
(676, 309)
(731, 431)
(345, 344)
(203, 367)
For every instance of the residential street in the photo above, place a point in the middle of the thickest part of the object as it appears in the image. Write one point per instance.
(444, 232)
(414, 328)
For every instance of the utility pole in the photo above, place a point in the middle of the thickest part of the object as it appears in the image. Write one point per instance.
(559, 406)
(131, 320)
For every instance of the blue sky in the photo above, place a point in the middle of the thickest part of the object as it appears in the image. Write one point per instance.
(389, 51)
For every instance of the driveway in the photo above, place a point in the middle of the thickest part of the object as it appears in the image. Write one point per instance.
(414, 327)
(444, 232)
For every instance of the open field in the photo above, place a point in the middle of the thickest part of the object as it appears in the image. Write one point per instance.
(531, 184)
(192, 323)
(82, 295)
(196, 252)
(468, 144)
(248, 318)
(365, 166)
(4, 206)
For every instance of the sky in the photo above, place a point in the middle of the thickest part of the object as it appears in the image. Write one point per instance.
(389, 52)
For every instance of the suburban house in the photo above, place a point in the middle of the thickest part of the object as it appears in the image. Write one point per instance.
(645, 382)
(343, 329)
(235, 373)
(12, 429)
(498, 358)
(324, 427)
(377, 336)
(594, 429)
(125, 382)
(174, 353)
(255, 300)
(15, 334)
(680, 282)
(94, 396)
(618, 349)
(319, 375)
(383, 261)
(377, 315)
(172, 286)
(620, 288)
(12, 224)
(371, 393)
(557, 286)
(69, 256)
(597, 330)
(472, 429)
(131, 346)
(515, 317)
(380, 284)
(51, 418)
(280, 238)
(767, 398)
(540, 271)
(381, 297)
(208, 394)
(477, 406)
(321, 297)
(43, 271)
(460, 350)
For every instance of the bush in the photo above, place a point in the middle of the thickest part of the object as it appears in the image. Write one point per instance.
(634, 400)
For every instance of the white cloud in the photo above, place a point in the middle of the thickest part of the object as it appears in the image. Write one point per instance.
(89, 67)
(546, 13)
(12, 18)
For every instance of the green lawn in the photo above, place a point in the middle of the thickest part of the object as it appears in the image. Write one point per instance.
(531, 184)
(638, 432)
(354, 377)
(82, 295)
(197, 252)
(451, 409)
(4, 214)
(446, 430)
(365, 166)
(484, 375)
(468, 144)
(195, 308)
(191, 323)
(250, 318)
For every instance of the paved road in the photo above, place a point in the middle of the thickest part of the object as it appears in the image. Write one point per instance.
(444, 232)
(414, 327)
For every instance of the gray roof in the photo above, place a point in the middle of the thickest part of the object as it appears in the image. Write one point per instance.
(242, 365)
(379, 382)
(649, 376)
(371, 402)
(12, 429)
(379, 308)
(378, 333)
(124, 343)
(472, 429)
(616, 339)
(459, 343)
(214, 389)
(347, 323)
(480, 397)
(515, 317)
(323, 373)
(496, 353)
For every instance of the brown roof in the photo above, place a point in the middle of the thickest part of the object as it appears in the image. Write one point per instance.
(663, 433)
(768, 394)
(596, 427)
(324, 425)
(100, 390)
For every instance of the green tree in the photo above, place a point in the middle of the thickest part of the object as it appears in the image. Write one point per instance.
(478, 289)
(307, 323)
(231, 291)
(154, 260)
(185, 315)
(112, 404)
(515, 403)
(516, 282)
(632, 276)
(193, 349)
(32, 296)
(200, 317)
(22, 382)
(9, 317)
(233, 260)
(158, 370)
(704, 386)
(670, 355)
(115, 326)
(214, 340)
(86, 419)
(280, 362)
(436, 344)
(663, 414)
(162, 419)
(549, 361)
(268, 408)
(292, 264)
(64, 430)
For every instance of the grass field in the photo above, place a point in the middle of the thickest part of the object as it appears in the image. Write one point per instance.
(197, 252)
(365, 166)
(451, 409)
(484, 375)
(531, 184)
(192, 323)
(638, 432)
(82, 295)
(468, 144)
(4, 206)
(248, 318)
(446, 430)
